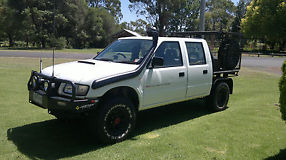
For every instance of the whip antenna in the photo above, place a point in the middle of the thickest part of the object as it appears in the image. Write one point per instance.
(53, 62)
(41, 65)
(54, 37)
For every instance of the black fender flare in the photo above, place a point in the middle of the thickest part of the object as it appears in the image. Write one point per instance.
(228, 81)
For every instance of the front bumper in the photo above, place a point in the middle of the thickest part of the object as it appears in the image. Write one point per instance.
(48, 98)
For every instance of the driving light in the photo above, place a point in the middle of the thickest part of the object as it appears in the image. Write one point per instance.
(46, 85)
(68, 88)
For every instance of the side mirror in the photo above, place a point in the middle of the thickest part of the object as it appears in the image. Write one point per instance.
(157, 62)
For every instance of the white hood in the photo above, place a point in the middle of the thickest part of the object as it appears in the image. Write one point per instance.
(85, 73)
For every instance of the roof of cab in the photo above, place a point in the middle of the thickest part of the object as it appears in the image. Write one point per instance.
(168, 39)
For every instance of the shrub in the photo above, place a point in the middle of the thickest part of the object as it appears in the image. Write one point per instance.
(282, 88)
(58, 43)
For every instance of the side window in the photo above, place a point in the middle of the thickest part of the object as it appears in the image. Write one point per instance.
(171, 53)
(196, 53)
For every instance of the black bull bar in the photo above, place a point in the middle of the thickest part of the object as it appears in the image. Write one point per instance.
(43, 92)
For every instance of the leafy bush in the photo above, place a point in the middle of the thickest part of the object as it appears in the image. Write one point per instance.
(58, 43)
(282, 88)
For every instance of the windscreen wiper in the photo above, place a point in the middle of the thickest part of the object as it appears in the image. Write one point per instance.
(105, 59)
(128, 62)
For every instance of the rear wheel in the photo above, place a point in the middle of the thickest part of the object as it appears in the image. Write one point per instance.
(218, 99)
(115, 120)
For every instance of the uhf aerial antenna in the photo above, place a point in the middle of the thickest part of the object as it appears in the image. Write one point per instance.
(54, 37)
(41, 64)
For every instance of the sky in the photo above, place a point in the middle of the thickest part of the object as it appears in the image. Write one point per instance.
(131, 16)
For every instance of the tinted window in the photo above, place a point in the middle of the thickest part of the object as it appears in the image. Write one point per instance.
(171, 53)
(195, 53)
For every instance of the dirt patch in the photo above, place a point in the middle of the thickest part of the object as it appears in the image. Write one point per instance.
(209, 149)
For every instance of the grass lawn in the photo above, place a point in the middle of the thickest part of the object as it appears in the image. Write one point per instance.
(251, 128)
(81, 51)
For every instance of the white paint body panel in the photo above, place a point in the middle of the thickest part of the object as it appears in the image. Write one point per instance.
(164, 84)
(155, 87)
(86, 73)
(200, 84)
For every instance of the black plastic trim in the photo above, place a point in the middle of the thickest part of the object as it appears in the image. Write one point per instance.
(86, 62)
(52, 103)
(229, 81)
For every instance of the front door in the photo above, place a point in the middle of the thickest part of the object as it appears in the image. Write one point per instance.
(166, 83)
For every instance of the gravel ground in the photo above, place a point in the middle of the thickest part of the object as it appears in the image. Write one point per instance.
(44, 54)
(268, 64)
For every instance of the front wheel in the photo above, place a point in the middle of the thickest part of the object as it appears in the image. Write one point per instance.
(218, 99)
(116, 119)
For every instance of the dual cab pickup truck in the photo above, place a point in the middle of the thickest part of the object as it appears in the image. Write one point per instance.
(130, 75)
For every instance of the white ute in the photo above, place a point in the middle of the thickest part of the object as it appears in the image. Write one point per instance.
(130, 75)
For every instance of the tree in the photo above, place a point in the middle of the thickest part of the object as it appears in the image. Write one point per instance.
(1, 19)
(219, 14)
(239, 14)
(126, 25)
(282, 88)
(265, 20)
(156, 12)
(185, 17)
(38, 19)
(140, 26)
(75, 13)
(11, 21)
(94, 26)
(52, 23)
(113, 6)
(108, 28)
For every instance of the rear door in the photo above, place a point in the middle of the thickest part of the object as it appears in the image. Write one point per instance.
(199, 69)
(168, 82)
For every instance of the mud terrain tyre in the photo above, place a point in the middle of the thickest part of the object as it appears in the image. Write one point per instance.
(229, 54)
(115, 120)
(219, 97)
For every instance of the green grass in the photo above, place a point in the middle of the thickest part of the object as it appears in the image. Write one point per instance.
(251, 128)
(77, 51)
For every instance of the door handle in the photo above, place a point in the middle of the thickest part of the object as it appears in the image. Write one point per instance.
(205, 71)
(181, 74)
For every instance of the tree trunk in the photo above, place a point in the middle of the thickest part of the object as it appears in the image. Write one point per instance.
(213, 27)
(163, 18)
(11, 40)
(282, 45)
(43, 43)
(27, 42)
(161, 28)
(272, 44)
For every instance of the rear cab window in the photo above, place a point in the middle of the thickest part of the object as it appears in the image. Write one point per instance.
(196, 54)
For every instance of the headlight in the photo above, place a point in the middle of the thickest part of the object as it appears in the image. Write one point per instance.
(81, 90)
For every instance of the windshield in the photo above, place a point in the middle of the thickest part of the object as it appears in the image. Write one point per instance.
(126, 51)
